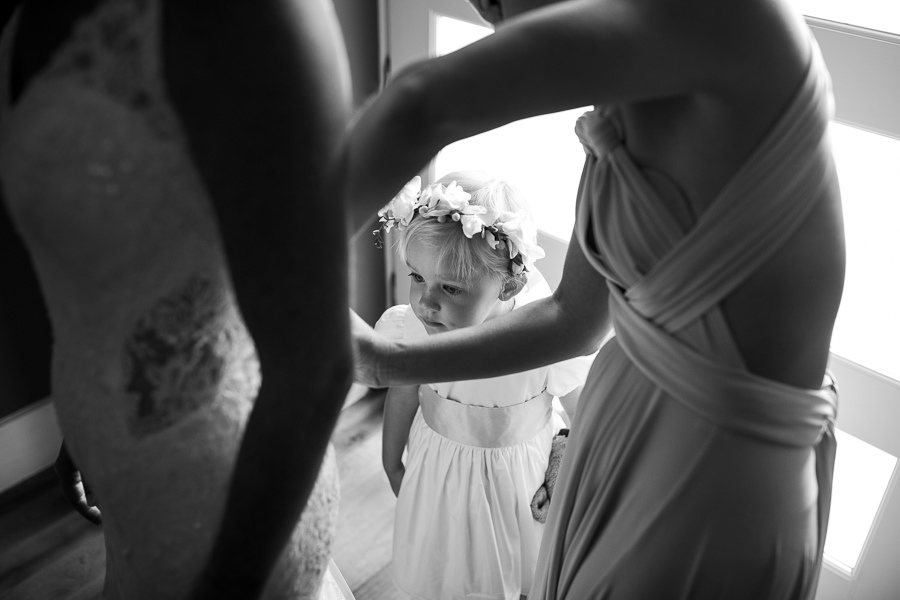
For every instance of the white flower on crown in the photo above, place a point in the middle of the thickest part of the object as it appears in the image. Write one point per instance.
(436, 201)
(521, 240)
(472, 224)
(402, 207)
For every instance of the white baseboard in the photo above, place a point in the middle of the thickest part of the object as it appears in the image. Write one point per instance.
(29, 443)
(30, 439)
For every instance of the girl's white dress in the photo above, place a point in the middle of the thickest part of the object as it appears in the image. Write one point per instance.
(477, 453)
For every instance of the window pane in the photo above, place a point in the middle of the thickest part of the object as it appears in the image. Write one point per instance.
(452, 34)
(862, 474)
(882, 15)
(541, 157)
(867, 330)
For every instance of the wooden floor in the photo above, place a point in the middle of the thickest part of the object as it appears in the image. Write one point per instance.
(48, 552)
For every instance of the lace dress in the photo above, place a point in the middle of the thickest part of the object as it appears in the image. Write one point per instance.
(686, 476)
(153, 373)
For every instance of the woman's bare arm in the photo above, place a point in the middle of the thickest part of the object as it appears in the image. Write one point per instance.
(262, 92)
(572, 322)
(568, 54)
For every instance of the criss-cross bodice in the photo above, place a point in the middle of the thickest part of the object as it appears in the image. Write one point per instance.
(668, 277)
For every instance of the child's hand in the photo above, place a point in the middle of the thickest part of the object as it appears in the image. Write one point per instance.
(365, 352)
(395, 478)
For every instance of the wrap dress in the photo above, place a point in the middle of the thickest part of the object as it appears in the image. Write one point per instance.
(687, 476)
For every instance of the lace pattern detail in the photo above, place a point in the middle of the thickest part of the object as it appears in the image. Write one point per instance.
(188, 351)
(115, 50)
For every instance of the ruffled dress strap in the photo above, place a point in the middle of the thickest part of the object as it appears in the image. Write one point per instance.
(392, 323)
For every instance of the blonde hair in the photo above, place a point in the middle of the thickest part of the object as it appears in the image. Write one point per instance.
(464, 258)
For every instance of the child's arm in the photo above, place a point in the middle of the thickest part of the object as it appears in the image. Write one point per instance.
(400, 407)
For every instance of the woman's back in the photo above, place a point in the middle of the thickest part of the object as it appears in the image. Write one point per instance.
(154, 372)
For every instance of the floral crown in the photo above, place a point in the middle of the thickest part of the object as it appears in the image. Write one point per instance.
(437, 201)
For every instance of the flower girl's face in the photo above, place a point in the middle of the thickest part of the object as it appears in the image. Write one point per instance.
(442, 303)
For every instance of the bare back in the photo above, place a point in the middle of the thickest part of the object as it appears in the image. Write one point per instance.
(155, 372)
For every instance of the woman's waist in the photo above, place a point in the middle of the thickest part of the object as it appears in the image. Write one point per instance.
(730, 399)
(485, 426)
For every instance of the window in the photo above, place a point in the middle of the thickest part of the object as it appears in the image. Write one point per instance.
(545, 173)
(881, 15)
(867, 330)
(862, 474)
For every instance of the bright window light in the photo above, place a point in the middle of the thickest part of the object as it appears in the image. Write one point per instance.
(881, 15)
(862, 474)
(867, 330)
(541, 157)
(453, 34)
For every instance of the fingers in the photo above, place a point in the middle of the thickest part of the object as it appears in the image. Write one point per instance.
(74, 489)
(79, 500)
(540, 505)
(89, 512)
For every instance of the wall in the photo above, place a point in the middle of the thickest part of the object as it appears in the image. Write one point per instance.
(24, 326)
(359, 22)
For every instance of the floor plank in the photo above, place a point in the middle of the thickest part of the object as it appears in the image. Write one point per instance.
(380, 586)
(366, 523)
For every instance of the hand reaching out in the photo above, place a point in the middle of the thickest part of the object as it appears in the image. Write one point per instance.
(75, 489)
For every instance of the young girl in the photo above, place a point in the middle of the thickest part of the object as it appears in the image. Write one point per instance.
(477, 450)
